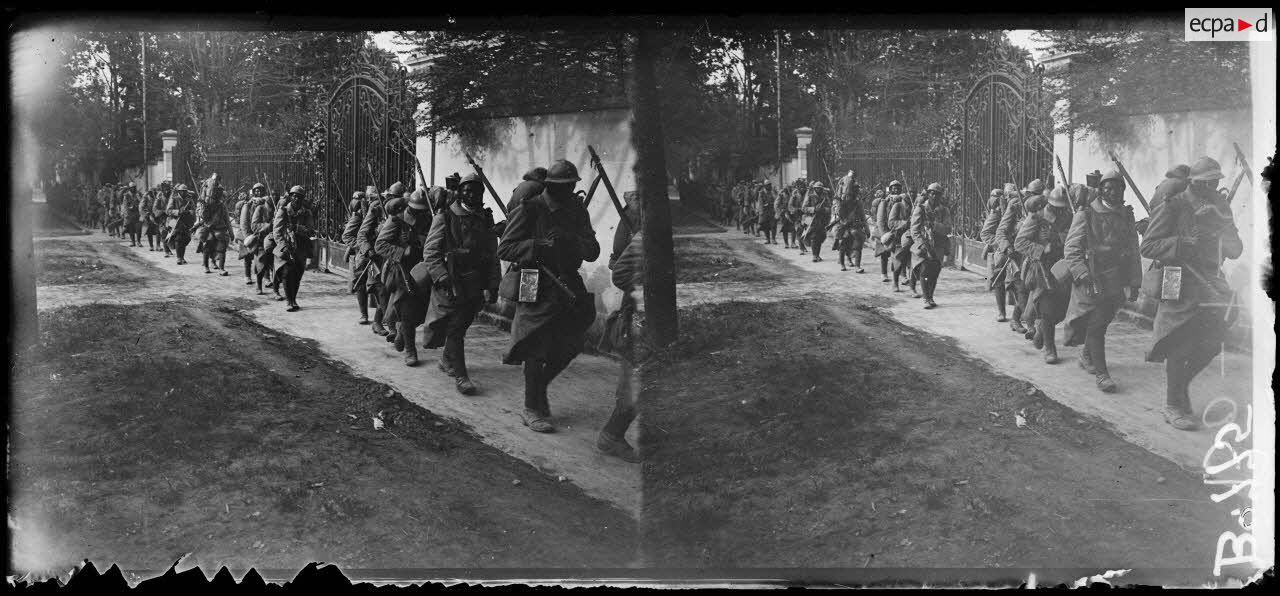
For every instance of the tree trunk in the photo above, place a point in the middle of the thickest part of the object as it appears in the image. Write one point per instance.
(651, 185)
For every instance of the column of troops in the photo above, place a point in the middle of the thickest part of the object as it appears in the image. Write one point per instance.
(1071, 255)
(427, 259)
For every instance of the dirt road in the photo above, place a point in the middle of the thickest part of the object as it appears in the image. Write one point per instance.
(151, 424)
(802, 424)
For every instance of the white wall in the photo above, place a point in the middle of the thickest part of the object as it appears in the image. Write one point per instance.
(134, 175)
(533, 141)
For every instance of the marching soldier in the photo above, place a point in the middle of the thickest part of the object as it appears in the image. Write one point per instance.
(931, 240)
(627, 265)
(1101, 252)
(785, 222)
(461, 255)
(262, 241)
(798, 190)
(399, 244)
(768, 215)
(367, 266)
(181, 212)
(552, 234)
(877, 231)
(1005, 234)
(995, 259)
(350, 237)
(244, 228)
(1193, 230)
(291, 230)
(395, 191)
(897, 241)
(850, 225)
(817, 212)
(159, 204)
(1041, 238)
(215, 227)
(131, 208)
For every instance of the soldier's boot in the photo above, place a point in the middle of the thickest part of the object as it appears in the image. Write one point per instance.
(378, 328)
(857, 261)
(1037, 334)
(1015, 323)
(398, 339)
(362, 301)
(1050, 347)
(1102, 376)
(1000, 306)
(409, 342)
(617, 447)
(1086, 361)
(205, 260)
(222, 265)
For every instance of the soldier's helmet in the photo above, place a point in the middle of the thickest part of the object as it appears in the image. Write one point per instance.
(818, 186)
(354, 205)
(895, 183)
(1182, 171)
(472, 178)
(418, 200)
(1111, 175)
(1036, 186)
(1058, 196)
(935, 187)
(182, 188)
(298, 190)
(1035, 203)
(396, 190)
(993, 202)
(562, 172)
(1206, 168)
(259, 185)
(371, 191)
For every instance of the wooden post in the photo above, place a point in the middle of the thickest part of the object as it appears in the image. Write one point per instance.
(651, 184)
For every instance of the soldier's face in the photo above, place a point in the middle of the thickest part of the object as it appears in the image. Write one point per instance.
(1205, 185)
(895, 189)
(1113, 190)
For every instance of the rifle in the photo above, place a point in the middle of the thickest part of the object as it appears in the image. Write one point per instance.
(424, 183)
(1244, 172)
(608, 186)
(485, 179)
(1061, 172)
(1240, 156)
(372, 179)
(1125, 173)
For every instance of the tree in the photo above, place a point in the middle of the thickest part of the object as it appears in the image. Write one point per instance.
(651, 183)
(1142, 68)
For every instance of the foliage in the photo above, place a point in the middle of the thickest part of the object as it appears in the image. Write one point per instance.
(224, 90)
(1144, 67)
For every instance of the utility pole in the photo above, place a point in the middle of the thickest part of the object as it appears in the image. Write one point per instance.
(777, 58)
(146, 169)
(651, 185)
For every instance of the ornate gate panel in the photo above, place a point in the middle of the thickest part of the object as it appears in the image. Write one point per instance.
(1007, 138)
(369, 140)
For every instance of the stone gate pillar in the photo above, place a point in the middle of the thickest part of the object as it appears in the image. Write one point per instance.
(169, 140)
(804, 136)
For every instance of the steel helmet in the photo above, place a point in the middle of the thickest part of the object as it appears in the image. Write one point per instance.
(298, 190)
(418, 200)
(354, 205)
(562, 172)
(1057, 196)
(1182, 171)
(993, 202)
(1205, 168)
(935, 186)
(396, 190)
(995, 192)
(182, 188)
(895, 183)
(1036, 186)
(1112, 175)
(1035, 203)
(472, 178)
(259, 185)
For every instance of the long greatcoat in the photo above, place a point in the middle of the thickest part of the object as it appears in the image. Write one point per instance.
(995, 261)
(550, 329)
(1110, 234)
(292, 233)
(367, 267)
(1008, 258)
(475, 271)
(1205, 303)
(1040, 239)
(400, 243)
(930, 232)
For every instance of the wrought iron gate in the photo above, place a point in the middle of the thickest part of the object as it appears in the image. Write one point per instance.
(1008, 137)
(916, 168)
(370, 139)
